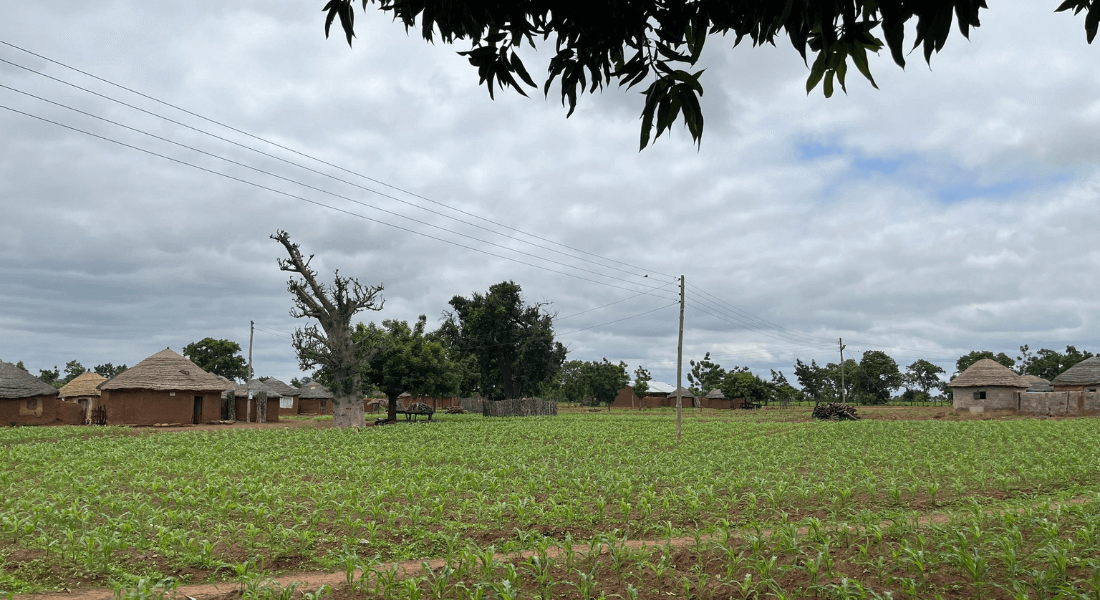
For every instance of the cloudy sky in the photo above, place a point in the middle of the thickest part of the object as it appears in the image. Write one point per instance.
(954, 209)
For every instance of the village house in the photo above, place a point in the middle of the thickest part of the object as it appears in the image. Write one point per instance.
(27, 400)
(314, 399)
(83, 391)
(287, 396)
(164, 388)
(987, 385)
(1081, 377)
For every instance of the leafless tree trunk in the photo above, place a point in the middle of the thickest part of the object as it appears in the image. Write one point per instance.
(330, 347)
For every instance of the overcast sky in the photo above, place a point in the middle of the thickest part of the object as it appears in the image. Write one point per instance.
(954, 209)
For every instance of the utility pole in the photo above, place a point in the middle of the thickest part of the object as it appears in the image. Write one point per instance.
(680, 365)
(843, 390)
(248, 406)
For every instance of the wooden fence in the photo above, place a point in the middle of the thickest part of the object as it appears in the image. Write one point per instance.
(523, 407)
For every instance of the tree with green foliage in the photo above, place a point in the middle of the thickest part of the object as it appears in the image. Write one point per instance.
(740, 382)
(812, 378)
(108, 370)
(404, 359)
(878, 377)
(20, 365)
(73, 369)
(51, 377)
(966, 360)
(1049, 364)
(704, 376)
(220, 357)
(295, 382)
(641, 381)
(920, 377)
(782, 390)
(660, 43)
(512, 342)
(843, 384)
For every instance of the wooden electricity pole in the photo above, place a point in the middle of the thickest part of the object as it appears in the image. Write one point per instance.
(843, 390)
(680, 365)
(247, 388)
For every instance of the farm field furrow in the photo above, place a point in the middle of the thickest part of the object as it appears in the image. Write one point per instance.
(84, 510)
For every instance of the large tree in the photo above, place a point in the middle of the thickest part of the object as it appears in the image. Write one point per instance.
(330, 346)
(220, 357)
(512, 342)
(404, 359)
(923, 376)
(812, 378)
(743, 383)
(660, 43)
(1047, 363)
(878, 377)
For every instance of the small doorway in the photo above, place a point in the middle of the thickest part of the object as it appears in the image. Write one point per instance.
(196, 417)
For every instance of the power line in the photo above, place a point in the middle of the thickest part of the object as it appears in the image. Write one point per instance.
(302, 154)
(321, 204)
(308, 186)
(622, 319)
(558, 319)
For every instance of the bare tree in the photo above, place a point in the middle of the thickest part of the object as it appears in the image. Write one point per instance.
(332, 349)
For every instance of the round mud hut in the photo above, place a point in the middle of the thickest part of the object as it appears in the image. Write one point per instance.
(1083, 376)
(314, 399)
(164, 388)
(987, 385)
(27, 400)
(83, 391)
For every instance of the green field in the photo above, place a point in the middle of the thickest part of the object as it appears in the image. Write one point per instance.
(774, 506)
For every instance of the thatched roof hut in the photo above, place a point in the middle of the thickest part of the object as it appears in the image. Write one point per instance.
(988, 373)
(16, 384)
(281, 389)
(165, 371)
(1037, 384)
(315, 391)
(715, 394)
(83, 386)
(1083, 374)
(164, 388)
(314, 399)
(27, 400)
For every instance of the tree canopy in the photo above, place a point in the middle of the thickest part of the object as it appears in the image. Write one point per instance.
(1047, 363)
(404, 359)
(512, 342)
(660, 43)
(220, 357)
(704, 376)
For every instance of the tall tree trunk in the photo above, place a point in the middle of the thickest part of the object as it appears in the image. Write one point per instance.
(347, 411)
(391, 409)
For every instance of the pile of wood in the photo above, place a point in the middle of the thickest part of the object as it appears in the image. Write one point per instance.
(456, 410)
(835, 411)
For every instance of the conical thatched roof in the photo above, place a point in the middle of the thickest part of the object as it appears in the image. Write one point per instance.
(166, 371)
(1038, 384)
(83, 385)
(716, 394)
(15, 383)
(279, 388)
(988, 373)
(683, 392)
(314, 390)
(1086, 372)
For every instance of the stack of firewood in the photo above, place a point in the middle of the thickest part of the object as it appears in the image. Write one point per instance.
(456, 410)
(835, 411)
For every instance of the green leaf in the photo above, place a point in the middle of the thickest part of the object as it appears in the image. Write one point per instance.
(1091, 22)
(816, 71)
(829, 84)
(859, 57)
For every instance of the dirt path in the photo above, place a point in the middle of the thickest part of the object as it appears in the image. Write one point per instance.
(313, 580)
